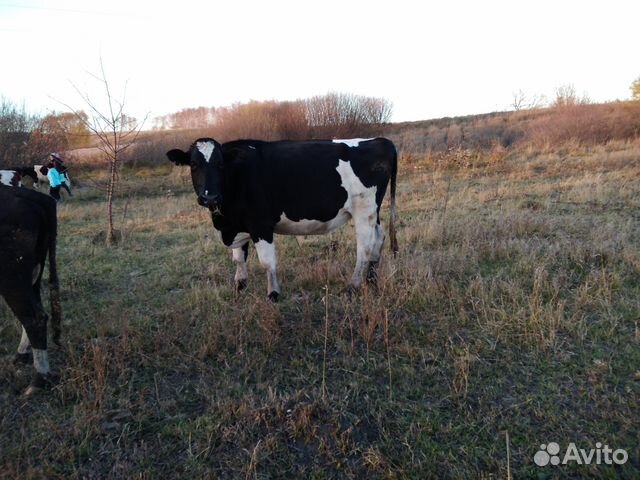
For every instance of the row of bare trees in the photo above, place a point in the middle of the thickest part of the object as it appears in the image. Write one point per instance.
(565, 96)
(330, 115)
(187, 118)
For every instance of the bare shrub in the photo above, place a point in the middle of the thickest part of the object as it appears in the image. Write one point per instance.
(325, 116)
(269, 120)
(522, 101)
(346, 115)
(150, 150)
(566, 96)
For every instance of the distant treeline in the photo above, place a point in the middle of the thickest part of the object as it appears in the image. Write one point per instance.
(334, 115)
(27, 139)
(562, 123)
(325, 115)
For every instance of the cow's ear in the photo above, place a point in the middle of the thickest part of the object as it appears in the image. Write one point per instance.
(179, 157)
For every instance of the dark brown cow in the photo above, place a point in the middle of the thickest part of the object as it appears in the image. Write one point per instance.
(28, 226)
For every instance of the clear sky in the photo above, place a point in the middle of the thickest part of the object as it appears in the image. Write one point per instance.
(431, 59)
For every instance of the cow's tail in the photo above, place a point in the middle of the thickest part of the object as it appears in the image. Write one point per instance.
(54, 285)
(392, 204)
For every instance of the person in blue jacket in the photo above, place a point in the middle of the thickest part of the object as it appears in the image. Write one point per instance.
(56, 176)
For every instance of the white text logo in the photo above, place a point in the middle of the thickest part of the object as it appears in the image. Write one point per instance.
(549, 454)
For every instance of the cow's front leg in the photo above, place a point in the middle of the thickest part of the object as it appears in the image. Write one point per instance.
(240, 259)
(267, 256)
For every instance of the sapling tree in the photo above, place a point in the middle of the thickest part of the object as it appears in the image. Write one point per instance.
(115, 131)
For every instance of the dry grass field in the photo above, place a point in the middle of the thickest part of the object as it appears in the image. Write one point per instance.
(510, 319)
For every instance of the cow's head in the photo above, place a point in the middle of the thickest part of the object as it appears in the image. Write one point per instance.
(205, 159)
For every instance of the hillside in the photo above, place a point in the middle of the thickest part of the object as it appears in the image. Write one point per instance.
(501, 132)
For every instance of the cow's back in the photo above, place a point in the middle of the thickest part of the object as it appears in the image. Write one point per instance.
(305, 179)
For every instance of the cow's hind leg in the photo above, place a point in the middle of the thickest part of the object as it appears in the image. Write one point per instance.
(267, 256)
(240, 259)
(28, 308)
(374, 257)
(369, 240)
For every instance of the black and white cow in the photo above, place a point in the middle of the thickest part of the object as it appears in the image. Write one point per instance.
(42, 180)
(12, 177)
(41, 172)
(28, 227)
(255, 189)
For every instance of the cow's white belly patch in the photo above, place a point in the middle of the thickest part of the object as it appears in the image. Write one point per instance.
(310, 227)
(360, 205)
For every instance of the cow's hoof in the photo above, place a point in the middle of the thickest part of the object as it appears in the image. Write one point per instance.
(372, 274)
(23, 358)
(273, 296)
(349, 292)
(41, 382)
(241, 285)
(31, 390)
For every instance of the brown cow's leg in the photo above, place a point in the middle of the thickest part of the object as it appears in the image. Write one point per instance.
(26, 306)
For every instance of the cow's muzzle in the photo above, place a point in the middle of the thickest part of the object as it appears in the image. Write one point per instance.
(212, 202)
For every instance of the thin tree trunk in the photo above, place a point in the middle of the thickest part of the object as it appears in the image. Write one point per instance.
(110, 191)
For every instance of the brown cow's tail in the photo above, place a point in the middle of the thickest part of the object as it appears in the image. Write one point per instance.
(54, 286)
(392, 204)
